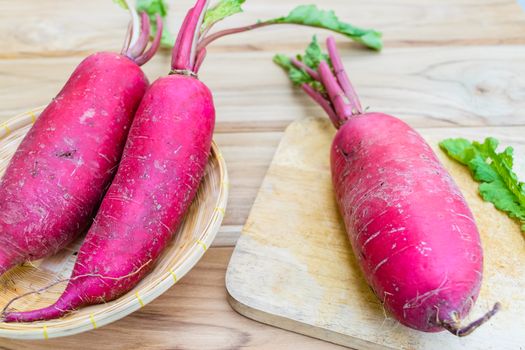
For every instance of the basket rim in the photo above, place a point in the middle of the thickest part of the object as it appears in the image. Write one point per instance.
(135, 299)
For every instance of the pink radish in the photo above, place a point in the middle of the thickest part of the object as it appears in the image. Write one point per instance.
(410, 227)
(159, 174)
(63, 166)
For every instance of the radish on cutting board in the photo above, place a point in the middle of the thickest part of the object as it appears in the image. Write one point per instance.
(60, 171)
(410, 227)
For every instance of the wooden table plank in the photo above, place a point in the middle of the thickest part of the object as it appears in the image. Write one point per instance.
(194, 314)
(431, 86)
(247, 156)
(64, 28)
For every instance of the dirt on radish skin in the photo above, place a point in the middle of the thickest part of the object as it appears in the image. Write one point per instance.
(59, 172)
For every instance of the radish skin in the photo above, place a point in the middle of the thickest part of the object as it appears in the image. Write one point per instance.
(61, 169)
(410, 228)
(161, 168)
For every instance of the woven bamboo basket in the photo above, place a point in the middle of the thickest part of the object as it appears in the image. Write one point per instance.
(195, 235)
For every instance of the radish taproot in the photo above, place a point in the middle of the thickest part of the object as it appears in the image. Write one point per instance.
(161, 168)
(410, 228)
(64, 164)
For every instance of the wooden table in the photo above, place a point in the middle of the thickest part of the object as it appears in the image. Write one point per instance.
(446, 63)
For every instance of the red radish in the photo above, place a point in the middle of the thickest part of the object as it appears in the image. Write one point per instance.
(410, 227)
(161, 168)
(63, 166)
(160, 171)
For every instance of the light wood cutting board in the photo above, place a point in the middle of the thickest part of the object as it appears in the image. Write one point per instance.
(293, 266)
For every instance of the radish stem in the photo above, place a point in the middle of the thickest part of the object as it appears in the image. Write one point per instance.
(307, 69)
(199, 60)
(178, 42)
(341, 75)
(339, 100)
(142, 42)
(127, 40)
(323, 102)
(196, 34)
(136, 52)
(185, 51)
(212, 37)
(145, 57)
(135, 27)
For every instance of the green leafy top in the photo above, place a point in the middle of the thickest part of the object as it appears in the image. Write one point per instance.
(307, 15)
(222, 10)
(152, 8)
(499, 184)
(312, 58)
(121, 3)
(310, 15)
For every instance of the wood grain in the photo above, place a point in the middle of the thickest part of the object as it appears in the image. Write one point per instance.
(468, 86)
(248, 156)
(65, 28)
(293, 266)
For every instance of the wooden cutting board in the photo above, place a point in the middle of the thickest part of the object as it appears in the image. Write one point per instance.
(293, 266)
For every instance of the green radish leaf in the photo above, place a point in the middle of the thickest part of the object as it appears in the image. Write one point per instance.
(458, 149)
(314, 55)
(499, 184)
(222, 10)
(297, 76)
(312, 58)
(152, 8)
(283, 61)
(310, 15)
(121, 3)
(307, 15)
